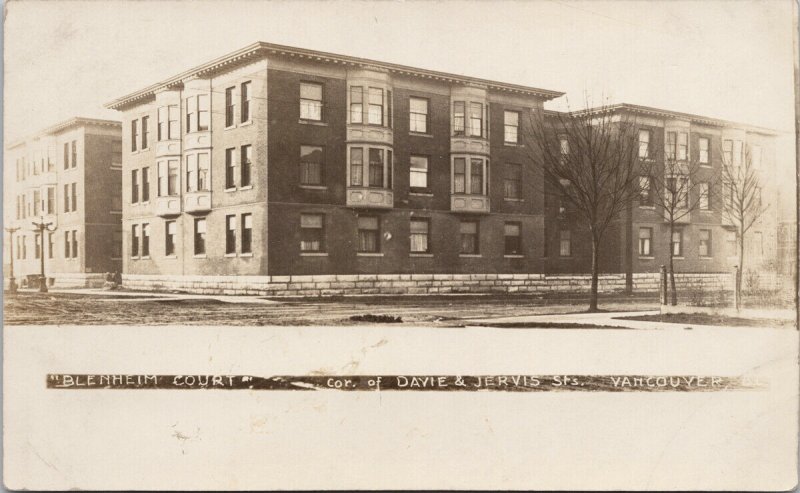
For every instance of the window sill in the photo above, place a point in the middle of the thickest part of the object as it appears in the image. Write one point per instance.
(369, 254)
(246, 255)
(199, 255)
(509, 199)
(509, 255)
(706, 211)
(230, 127)
(246, 187)
(643, 257)
(706, 258)
(312, 122)
(512, 144)
(229, 255)
(470, 255)
(420, 255)
(313, 254)
(171, 256)
(246, 124)
(420, 134)
(678, 258)
(421, 194)
(146, 257)
(228, 190)
(313, 187)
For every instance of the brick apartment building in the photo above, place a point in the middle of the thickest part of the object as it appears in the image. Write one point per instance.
(70, 176)
(283, 166)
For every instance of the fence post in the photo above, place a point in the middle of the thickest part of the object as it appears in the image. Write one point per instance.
(663, 285)
(736, 286)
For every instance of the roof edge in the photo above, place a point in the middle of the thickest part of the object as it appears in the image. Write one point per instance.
(77, 121)
(261, 48)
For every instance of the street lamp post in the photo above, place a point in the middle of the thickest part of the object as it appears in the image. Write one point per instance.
(12, 282)
(40, 228)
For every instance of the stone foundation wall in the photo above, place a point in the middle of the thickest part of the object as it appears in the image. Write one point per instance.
(76, 280)
(415, 284)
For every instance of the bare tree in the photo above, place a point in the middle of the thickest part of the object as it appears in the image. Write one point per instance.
(743, 205)
(589, 159)
(678, 185)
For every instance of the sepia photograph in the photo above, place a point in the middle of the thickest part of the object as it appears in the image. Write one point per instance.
(273, 245)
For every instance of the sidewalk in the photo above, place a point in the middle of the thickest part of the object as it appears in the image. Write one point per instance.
(603, 318)
(112, 295)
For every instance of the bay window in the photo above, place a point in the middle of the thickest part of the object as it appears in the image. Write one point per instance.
(378, 170)
(168, 178)
(683, 146)
(197, 166)
(471, 181)
(375, 110)
(356, 104)
(197, 113)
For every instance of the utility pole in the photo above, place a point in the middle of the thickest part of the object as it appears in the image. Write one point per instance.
(40, 228)
(12, 282)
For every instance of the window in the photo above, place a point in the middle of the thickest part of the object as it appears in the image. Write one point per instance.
(418, 177)
(683, 146)
(670, 148)
(145, 184)
(145, 131)
(200, 236)
(37, 245)
(513, 239)
(74, 197)
(67, 200)
(469, 237)
(470, 181)
(247, 233)
(755, 156)
(230, 168)
(245, 99)
(356, 166)
(197, 172)
(418, 115)
(375, 108)
(50, 244)
(170, 229)
(174, 118)
(727, 152)
(645, 242)
(66, 159)
(678, 185)
(134, 134)
(476, 119)
(161, 129)
(246, 155)
(703, 145)
(135, 240)
(74, 244)
(51, 159)
(229, 106)
(312, 237)
(134, 186)
(230, 235)
(511, 127)
(37, 202)
(563, 144)
(645, 191)
(311, 165)
(172, 178)
(145, 240)
(376, 168)
(368, 234)
(310, 101)
(356, 104)
(168, 122)
(74, 153)
(677, 243)
(512, 187)
(51, 200)
(476, 176)
(704, 248)
(565, 243)
(197, 113)
(737, 152)
(705, 196)
(644, 144)
(458, 118)
(730, 240)
(419, 232)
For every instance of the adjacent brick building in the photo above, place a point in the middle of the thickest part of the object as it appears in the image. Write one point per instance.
(70, 176)
(276, 164)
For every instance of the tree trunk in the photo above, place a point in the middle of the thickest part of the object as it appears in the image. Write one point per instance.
(595, 270)
(738, 280)
(673, 289)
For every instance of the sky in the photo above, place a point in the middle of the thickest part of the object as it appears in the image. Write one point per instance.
(724, 59)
